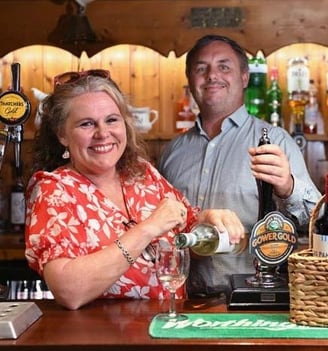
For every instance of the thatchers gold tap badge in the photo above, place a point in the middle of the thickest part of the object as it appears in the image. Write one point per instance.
(15, 108)
(273, 239)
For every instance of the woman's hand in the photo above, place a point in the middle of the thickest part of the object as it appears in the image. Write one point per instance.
(224, 220)
(168, 215)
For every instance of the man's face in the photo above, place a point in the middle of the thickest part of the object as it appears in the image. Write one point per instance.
(216, 80)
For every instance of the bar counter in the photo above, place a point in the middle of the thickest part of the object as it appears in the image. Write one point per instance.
(123, 325)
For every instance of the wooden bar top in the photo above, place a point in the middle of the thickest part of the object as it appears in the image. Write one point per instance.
(123, 325)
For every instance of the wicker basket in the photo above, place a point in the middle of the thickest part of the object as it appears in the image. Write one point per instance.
(308, 283)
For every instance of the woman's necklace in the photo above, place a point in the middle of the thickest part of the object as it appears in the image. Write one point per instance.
(149, 253)
(131, 222)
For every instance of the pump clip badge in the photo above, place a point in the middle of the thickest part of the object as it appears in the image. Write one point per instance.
(273, 239)
(14, 108)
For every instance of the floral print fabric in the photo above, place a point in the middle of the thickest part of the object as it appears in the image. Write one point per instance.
(67, 216)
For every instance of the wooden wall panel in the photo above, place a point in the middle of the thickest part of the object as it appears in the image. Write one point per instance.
(166, 25)
(172, 78)
(117, 60)
(145, 76)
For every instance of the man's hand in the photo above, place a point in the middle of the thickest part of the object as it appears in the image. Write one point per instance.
(270, 164)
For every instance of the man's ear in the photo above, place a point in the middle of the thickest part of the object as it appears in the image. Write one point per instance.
(245, 79)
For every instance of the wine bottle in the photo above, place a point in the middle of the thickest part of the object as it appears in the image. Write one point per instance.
(298, 78)
(266, 203)
(47, 294)
(36, 291)
(185, 117)
(205, 240)
(313, 122)
(3, 207)
(17, 204)
(22, 290)
(320, 235)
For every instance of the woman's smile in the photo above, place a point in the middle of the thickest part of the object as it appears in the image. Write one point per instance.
(102, 149)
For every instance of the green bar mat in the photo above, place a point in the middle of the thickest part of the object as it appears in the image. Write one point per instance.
(234, 325)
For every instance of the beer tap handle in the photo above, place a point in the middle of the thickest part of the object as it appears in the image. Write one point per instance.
(15, 73)
(16, 138)
(4, 136)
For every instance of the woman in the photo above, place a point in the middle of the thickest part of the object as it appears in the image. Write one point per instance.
(94, 204)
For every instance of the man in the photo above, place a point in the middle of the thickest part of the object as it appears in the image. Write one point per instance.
(217, 162)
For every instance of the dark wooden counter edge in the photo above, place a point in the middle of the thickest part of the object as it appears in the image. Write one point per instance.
(123, 325)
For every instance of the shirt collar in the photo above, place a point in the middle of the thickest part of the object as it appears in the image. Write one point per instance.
(237, 118)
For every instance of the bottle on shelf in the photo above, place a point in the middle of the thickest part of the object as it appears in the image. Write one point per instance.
(313, 119)
(185, 117)
(298, 78)
(327, 89)
(23, 290)
(274, 99)
(205, 240)
(47, 294)
(320, 235)
(36, 292)
(17, 203)
(3, 207)
(255, 97)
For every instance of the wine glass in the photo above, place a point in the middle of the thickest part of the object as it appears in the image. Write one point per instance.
(172, 268)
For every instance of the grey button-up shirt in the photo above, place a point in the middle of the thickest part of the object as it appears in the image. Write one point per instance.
(215, 173)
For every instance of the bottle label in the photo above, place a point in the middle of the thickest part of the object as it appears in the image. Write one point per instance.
(320, 245)
(274, 118)
(184, 124)
(298, 79)
(17, 208)
(258, 68)
(257, 101)
(224, 243)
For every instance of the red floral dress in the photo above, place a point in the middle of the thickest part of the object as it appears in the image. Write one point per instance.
(67, 216)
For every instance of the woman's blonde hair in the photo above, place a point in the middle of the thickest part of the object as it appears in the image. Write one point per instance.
(55, 110)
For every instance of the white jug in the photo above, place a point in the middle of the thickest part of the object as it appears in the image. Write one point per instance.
(39, 95)
(144, 118)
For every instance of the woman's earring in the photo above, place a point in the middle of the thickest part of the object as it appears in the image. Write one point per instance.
(66, 155)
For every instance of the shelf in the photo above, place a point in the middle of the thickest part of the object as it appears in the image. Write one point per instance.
(12, 246)
(316, 137)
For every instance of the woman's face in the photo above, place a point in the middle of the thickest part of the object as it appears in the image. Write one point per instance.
(94, 133)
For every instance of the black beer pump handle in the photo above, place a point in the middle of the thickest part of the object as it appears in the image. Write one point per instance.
(16, 132)
(15, 73)
(266, 204)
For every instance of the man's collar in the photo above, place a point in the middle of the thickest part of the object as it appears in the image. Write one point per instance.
(237, 118)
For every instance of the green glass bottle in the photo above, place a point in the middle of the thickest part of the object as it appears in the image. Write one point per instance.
(255, 97)
(274, 99)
